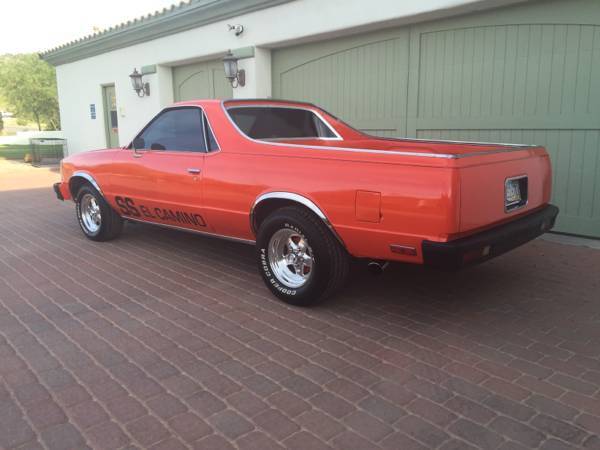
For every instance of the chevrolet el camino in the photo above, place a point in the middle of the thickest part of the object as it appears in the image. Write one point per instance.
(312, 192)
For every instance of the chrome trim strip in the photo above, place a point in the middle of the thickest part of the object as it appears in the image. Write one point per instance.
(204, 135)
(283, 106)
(448, 141)
(205, 116)
(295, 198)
(88, 177)
(189, 230)
(498, 150)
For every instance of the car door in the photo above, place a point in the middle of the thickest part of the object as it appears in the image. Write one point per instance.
(158, 178)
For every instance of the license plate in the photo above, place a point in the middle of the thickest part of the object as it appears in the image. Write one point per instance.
(513, 192)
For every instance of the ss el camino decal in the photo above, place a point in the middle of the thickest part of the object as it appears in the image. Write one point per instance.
(130, 209)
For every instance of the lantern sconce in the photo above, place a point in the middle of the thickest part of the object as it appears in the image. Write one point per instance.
(235, 76)
(141, 89)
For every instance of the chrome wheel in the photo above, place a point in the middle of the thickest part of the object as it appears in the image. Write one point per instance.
(291, 258)
(91, 217)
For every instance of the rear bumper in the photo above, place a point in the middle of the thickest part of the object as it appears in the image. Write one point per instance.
(490, 243)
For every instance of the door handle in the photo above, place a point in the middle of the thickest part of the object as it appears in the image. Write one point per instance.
(193, 170)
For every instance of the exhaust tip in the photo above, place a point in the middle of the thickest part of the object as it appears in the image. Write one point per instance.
(376, 267)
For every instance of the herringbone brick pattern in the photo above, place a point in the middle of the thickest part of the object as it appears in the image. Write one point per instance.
(167, 340)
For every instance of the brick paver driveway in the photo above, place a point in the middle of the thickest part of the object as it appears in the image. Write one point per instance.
(168, 340)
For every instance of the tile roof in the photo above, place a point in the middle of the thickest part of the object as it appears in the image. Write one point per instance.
(121, 26)
(181, 17)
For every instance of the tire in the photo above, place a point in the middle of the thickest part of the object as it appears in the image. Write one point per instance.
(317, 270)
(102, 225)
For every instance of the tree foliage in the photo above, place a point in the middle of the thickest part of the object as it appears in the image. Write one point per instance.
(28, 88)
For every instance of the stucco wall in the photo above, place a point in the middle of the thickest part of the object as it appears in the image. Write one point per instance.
(80, 83)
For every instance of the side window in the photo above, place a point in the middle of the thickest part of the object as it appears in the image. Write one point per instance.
(279, 123)
(175, 129)
(211, 142)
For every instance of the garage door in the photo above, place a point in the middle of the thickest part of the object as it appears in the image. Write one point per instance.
(524, 74)
(200, 80)
(363, 79)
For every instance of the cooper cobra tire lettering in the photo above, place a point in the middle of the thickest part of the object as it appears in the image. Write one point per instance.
(331, 262)
(129, 208)
(271, 278)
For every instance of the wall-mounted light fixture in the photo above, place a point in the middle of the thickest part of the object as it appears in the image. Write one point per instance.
(140, 88)
(236, 77)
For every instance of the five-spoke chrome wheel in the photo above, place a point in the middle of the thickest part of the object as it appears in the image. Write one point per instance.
(298, 257)
(91, 217)
(291, 258)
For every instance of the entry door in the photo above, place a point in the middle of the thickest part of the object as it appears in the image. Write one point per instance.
(111, 119)
(160, 180)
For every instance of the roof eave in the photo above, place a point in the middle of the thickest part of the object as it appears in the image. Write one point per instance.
(173, 21)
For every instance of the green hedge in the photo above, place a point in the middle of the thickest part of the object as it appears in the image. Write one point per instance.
(18, 152)
(14, 151)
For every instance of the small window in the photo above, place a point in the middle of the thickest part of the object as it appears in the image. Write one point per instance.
(175, 129)
(211, 142)
(279, 123)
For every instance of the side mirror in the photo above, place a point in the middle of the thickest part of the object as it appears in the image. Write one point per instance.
(138, 143)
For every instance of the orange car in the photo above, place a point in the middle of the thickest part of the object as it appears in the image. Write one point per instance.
(312, 192)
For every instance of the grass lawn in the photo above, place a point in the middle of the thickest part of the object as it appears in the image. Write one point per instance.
(11, 126)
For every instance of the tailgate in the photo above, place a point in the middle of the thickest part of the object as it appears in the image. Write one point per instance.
(492, 192)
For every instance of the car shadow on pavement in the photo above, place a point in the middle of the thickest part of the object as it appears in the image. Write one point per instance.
(518, 287)
(542, 285)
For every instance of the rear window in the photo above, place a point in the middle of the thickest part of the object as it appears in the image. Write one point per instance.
(260, 122)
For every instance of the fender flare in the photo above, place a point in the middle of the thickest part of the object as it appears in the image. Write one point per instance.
(86, 176)
(297, 198)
